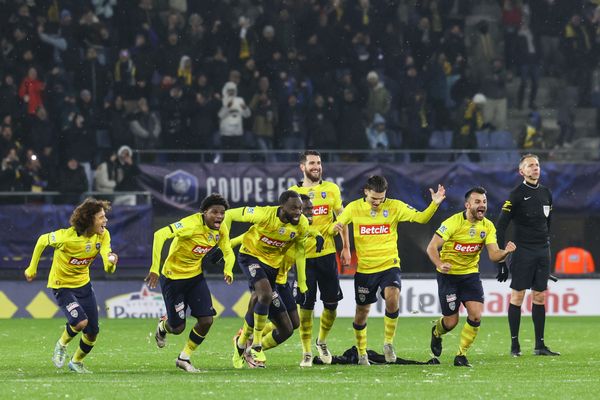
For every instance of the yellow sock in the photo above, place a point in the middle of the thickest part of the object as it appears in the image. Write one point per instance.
(389, 329)
(467, 337)
(85, 346)
(439, 328)
(260, 321)
(268, 341)
(306, 326)
(192, 344)
(325, 324)
(68, 334)
(245, 335)
(269, 327)
(360, 333)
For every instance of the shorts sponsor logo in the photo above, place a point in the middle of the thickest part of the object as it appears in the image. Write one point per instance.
(142, 304)
(383, 229)
(201, 249)
(276, 300)
(467, 248)
(179, 306)
(72, 306)
(272, 242)
(320, 210)
(80, 261)
(252, 269)
(363, 290)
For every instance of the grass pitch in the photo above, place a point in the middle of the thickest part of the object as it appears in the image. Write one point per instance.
(127, 365)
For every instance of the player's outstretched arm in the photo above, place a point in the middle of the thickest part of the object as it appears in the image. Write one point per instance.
(439, 196)
(40, 245)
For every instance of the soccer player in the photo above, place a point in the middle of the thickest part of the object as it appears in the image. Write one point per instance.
(461, 238)
(182, 280)
(75, 249)
(275, 229)
(321, 268)
(529, 206)
(375, 221)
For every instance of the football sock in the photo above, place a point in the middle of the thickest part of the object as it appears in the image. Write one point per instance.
(85, 346)
(325, 323)
(163, 327)
(269, 327)
(246, 332)
(467, 336)
(390, 321)
(360, 333)
(514, 321)
(538, 314)
(260, 320)
(268, 341)
(68, 334)
(192, 344)
(440, 328)
(306, 326)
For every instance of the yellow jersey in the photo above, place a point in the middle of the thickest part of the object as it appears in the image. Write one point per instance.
(375, 232)
(327, 202)
(73, 256)
(192, 240)
(463, 242)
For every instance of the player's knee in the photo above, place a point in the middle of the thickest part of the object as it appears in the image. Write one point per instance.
(176, 330)
(539, 297)
(91, 336)
(516, 298)
(450, 322)
(81, 325)
(204, 324)
(264, 297)
(330, 306)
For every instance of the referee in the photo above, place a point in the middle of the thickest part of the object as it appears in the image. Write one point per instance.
(529, 207)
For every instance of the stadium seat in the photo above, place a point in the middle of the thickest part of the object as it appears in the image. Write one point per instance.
(440, 140)
(574, 260)
(502, 140)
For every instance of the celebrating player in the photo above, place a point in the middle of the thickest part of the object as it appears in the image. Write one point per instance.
(461, 238)
(182, 282)
(375, 221)
(321, 268)
(75, 249)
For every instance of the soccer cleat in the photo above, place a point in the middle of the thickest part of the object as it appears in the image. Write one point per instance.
(307, 360)
(515, 350)
(324, 353)
(363, 359)
(255, 357)
(461, 361)
(544, 351)
(389, 353)
(185, 365)
(436, 343)
(161, 339)
(59, 356)
(238, 354)
(78, 367)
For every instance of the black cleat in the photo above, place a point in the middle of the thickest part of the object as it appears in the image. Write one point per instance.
(544, 351)
(515, 350)
(436, 343)
(461, 361)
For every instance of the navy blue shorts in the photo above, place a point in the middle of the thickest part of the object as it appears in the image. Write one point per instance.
(79, 304)
(322, 272)
(286, 294)
(456, 289)
(530, 268)
(255, 270)
(179, 294)
(366, 285)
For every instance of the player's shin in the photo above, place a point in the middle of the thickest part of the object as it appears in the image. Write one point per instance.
(360, 333)
(192, 344)
(467, 336)
(327, 318)
(306, 326)
(390, 321)
(85, 346)
(260, 320)
(68, 334)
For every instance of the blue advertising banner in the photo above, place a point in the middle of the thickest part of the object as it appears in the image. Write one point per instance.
(576, 187)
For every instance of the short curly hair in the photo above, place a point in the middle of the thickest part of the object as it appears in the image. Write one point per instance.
(82, 218)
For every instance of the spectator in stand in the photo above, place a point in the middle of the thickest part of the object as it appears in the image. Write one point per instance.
(7, 139)
(127, 172)
(204, 106)
(269, 53)
(528, 58)
(105, 175)
(116, 115)
(231, 115)
(144, 58)
(577, 45)
(471, 121)
(125, 76)
(9, 96)
(93, 76)
(266, 116)
(321, 124)
(184, 72)
(417, 129)
(532, 136)
(34, 176)
(351, 128)
(494, 89)
(379, 98)
(30, 91)
(547, 22)
(79, 141)
(10, 171)
(64, 43)
(483, 51)
(145, 126)
(511, 23)
(73, 181)
(292, 128)
(174, 117)
(41, 132)
(378, 138)
(170, 55)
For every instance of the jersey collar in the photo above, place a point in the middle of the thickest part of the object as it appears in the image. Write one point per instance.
(530, 185)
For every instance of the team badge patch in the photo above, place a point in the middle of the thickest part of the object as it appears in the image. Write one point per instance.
(323, 194)
(98, 246)
(88, 247)
(442, 229)
(178, 225)
(472, 231)
(250, 210)
(482, 234)
(292, 235)
(217, 237)
(252, 268)
(373, 213)
(281, 231)
(386, 213)
(362, 297)
(452, 305)
(311, 195)
(275, 299)
(74, 314)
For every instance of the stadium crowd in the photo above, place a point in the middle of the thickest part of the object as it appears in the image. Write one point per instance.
(85, 82)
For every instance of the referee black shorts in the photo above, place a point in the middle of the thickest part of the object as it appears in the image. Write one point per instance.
(530, 268)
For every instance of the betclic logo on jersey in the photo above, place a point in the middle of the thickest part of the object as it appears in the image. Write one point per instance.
(382, 229)
(467, 248)
(272, 242)
(201, 249)
(320, 210)
(81, 261)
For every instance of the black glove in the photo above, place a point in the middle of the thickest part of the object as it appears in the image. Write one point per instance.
(215, 256)
(299, 297)
(320, 242)
(502, 272)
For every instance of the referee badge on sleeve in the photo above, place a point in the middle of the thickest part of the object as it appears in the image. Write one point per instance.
(546, 210)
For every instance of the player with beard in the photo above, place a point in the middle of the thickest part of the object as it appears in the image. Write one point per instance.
(321, 267)
(375, 221)
(274, 230)
(182, 280)
(75, 249)
(529, 206)
(461, 239)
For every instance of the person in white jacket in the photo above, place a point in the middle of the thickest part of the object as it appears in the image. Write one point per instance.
(231, 114)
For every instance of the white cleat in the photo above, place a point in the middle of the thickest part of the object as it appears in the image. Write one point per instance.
(389, 353)
(307, 360)
(324, 353)
(363, 360)
(60, 355)
(186, 365)
(78, 367)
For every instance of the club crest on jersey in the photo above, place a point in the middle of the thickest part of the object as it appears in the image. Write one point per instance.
(311, 195)
(88, 247)
(323, 194)
(217, 237)
(281, 231)
(546, 210)
(373, 213)
(472, 231)
(292, 235)
(482, 234)
(386, 213)
(98, 246)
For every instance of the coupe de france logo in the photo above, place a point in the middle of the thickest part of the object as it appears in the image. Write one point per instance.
(181, 187)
